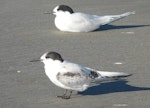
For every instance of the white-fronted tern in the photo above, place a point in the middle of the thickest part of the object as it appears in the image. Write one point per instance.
(72, 76)
(68, 20)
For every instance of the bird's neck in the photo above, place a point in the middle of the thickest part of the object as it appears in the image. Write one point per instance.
(64, 14)
(49, 65)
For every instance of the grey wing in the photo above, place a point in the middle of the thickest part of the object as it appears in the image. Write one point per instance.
(83, 18)
(74, 80)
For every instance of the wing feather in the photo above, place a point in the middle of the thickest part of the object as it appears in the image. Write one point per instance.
(73, 76)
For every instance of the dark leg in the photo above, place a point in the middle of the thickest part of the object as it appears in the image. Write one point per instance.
(70, 94)
(64, 95)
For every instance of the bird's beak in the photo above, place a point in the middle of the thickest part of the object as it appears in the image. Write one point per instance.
(49, 13)
(36, 60)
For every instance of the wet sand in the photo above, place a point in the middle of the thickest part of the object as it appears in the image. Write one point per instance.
(26, 33)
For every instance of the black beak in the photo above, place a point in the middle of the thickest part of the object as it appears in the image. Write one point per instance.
(48, 12)
(36, 60)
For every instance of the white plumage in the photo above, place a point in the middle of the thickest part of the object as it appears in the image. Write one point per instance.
(71, 76)
(68, 20)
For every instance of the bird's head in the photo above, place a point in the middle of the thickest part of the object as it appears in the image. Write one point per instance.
(60, 9)
(49, 57)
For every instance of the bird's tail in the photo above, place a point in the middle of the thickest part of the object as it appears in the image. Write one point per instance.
(111, 18)
(109, 76)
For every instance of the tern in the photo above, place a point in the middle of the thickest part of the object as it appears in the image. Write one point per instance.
(68, 20)
(74, 77)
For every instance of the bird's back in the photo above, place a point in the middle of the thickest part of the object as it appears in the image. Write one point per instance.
(77, 22)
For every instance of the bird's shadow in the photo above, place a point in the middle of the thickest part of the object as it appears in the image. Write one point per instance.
(113, 27)
(112, 87)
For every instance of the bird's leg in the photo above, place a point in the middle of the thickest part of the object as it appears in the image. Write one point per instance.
(67, 97)
(64, 95)
(65, 92)
(70, 94)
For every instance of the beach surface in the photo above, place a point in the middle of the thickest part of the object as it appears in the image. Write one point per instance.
(123, 46)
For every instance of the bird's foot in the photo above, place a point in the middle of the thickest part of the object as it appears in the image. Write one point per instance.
(64, 97)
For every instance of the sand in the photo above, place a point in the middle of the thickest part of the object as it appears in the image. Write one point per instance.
(26, 33)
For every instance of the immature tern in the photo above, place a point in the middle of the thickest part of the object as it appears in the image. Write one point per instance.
(68, 20)
(72, 76)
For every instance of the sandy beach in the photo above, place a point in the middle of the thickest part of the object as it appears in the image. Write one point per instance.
(123, 46)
